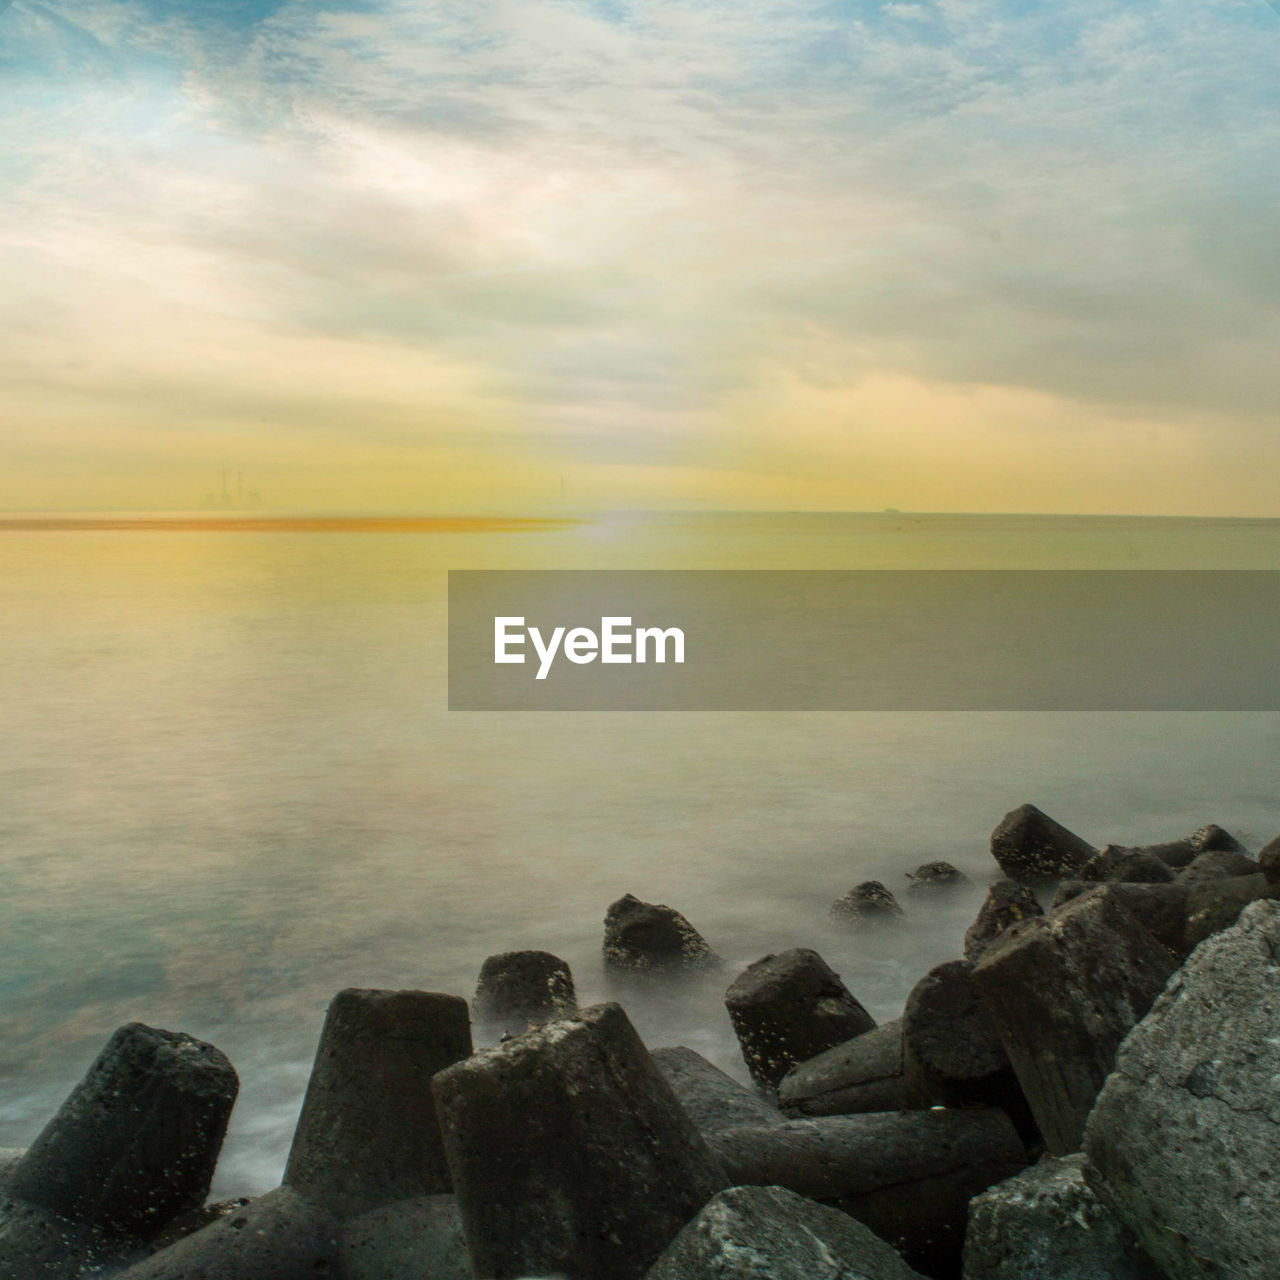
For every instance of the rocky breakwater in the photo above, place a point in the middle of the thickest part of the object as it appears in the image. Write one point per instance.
(1083, 1091)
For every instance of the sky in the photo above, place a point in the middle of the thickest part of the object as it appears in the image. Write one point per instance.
(516, 255)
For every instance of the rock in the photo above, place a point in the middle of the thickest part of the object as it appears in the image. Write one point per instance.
(9, 1156)
(419, 1238)
(1214, 905)
(36, 1242)
(1046, 1224)
(769, 1233)
(1007, 903)
(368, 1132)
(1178, 853)
(570, 1152)
(934, 876)
(862, 1074)
(1182, 1142)
(711, 1099)
(641, 937)
(952, 1055)
(187, 1224)
(1160, 908)
(1217, 864)
(788, 1007)
(867, 903)
(520, 989)
(136, 1142)
(279, 1236)
(1063, 991)
(1269, 860)
(1137, 866)
(1214, 837)
(1034, 849)
(907, 1175)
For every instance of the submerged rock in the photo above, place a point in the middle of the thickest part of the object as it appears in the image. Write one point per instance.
(788, 1007)
(1182, 1141)
(570, 1152)
(645, 936)
(935, 876)
(1006, 904)
(1046, 1224)
(750, 1233)
(520, 989)
(867, 903)
(1034, 849)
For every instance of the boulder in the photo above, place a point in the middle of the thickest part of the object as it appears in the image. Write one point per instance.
(786, 1008)
(1179, 853)
(570, 1152)
(862, 1074)
(712, 1100)
(952, 1055)
(1034, 849)
(643, 937)
(867, 903)
(520, 989)
(907, 1175)
(770, 1233)
(1214, 837)
(1007, 902)
(1269, 860)
(279, 1236)
(1160, 908)
(1046, 1224)
(1218, 864)
(419, 1238)
(1063, 991)
(368, 1132)
(935, 876)
(1137, 866)
(136, 1142)
(1214, 905)
(1182, 1142)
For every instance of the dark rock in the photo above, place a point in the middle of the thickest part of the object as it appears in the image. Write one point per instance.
(1218, 864)
(570, 1152)
(788, 1007)
(1269, 860)
(711, 1099)
(368, 1132)
(645, 936)
(933, 876)
(1007, 903)
(419, 1238)
(769, 1233)
(279, 1236)
(952, 1055)
(1136, 866)
(520, 989)
(1182, 1142)
(907, 1175)
(136, 1142)
(862, 1074)
(1034, 849)
(1160, 908)
(9, 1156)
(1214, 905)
(187, 1224)
(1214, 837)
(1046, 1224)
(36, 1242)
(867, 903)
(1063, 991)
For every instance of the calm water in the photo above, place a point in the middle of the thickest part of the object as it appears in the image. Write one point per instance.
(229, 787)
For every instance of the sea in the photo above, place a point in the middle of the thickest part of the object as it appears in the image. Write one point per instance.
(230, 783)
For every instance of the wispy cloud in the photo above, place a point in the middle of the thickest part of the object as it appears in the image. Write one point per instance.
(604, 229)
